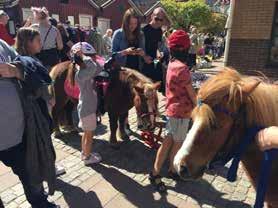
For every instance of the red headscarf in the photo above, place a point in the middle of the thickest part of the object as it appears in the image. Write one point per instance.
(179, 39)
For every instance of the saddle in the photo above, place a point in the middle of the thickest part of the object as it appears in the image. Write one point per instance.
(102, 81)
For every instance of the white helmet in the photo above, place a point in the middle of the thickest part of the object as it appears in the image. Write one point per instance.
(85, 47)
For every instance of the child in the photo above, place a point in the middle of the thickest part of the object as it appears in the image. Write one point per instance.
(87, 69)
(181, 99)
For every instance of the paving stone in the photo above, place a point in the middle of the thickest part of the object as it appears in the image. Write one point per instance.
(128, 186)
(20, 199)
(25, 205)
(12, 205)
(8, 198)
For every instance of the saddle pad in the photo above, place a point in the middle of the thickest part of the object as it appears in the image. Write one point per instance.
(71, 91)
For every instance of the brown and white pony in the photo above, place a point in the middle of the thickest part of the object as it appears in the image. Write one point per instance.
(244, 102)
(127, 88)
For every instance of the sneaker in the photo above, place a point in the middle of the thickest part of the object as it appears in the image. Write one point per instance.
(60, 170)
(92, 159)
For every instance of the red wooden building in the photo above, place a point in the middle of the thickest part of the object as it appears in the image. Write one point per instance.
(101, 13)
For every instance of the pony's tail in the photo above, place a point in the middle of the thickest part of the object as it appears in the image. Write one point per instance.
(71, 74)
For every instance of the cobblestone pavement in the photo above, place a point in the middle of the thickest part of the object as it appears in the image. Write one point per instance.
(120, 181)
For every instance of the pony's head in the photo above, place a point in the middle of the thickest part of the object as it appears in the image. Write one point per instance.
(227, 104)
(145, 102)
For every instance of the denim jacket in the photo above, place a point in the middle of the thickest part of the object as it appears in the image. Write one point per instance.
(119, 43)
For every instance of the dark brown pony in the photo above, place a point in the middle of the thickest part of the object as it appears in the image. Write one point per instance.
(230, 103)
(127, 88)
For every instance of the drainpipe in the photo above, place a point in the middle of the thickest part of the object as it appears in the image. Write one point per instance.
(229, 31)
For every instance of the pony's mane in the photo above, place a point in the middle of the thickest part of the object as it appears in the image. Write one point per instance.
(261, 104)
(134, 77)
(58, 69)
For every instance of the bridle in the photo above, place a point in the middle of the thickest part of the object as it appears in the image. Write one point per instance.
(222, 156)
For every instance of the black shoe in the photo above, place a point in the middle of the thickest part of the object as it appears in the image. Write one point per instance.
(157, 183)
(46, 204)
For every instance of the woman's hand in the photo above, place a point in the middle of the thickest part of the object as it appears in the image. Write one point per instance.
(9, 71)
(148, 59)
(140, 52)
(268, 138)
(128, 51)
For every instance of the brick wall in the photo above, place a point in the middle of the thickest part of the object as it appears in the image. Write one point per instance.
(253, 19)
(251, 36)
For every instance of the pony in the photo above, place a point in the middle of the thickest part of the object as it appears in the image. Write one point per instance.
(64, 104)
(228, 104)
(127, 88)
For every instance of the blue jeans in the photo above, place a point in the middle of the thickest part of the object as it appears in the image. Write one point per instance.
(15, 159)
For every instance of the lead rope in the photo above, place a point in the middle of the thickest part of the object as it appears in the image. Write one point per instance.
(265, 166)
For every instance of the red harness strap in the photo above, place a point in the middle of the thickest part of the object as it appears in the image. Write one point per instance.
(151, 139)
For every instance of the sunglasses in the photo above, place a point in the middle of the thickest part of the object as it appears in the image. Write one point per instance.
(158, 19)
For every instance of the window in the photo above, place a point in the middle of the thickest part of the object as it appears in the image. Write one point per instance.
(274, 41)
(103, 25)
(85, 20)
(26, 12)
(71, 19)
(56, 17)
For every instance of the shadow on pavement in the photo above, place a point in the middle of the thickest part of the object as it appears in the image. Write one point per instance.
(204, 193)
(135, 193)
(77, 197)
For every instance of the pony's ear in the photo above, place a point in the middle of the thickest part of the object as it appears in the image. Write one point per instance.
(156, 85)
(248, 88)
(139, 89)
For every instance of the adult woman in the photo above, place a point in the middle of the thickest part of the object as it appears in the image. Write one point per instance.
(129, 43)
(50, 36)
(64, 53)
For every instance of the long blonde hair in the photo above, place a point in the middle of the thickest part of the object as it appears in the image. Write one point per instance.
(24, 36)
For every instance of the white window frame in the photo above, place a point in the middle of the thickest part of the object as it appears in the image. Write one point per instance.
(26, 11)
(104, 19)
(71, 19)
(56, 17)
(85, 16)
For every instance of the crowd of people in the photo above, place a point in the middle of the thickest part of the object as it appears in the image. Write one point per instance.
(26, 102)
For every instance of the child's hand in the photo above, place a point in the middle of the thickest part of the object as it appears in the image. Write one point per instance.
(79, 53)
(268, 138)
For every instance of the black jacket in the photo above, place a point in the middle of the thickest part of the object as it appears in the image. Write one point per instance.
(40, 154)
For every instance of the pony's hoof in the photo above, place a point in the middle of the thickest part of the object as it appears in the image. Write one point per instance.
(125, 138)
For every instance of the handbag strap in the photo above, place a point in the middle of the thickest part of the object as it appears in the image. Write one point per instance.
(45, 38)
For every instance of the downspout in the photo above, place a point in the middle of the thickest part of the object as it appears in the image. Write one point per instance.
(229, 31)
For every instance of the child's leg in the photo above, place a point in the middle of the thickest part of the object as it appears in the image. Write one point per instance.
(181, 129)
(175, 148)
(162, 155)
(87, 140)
